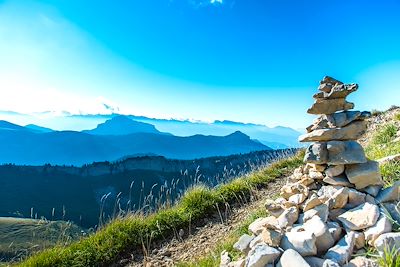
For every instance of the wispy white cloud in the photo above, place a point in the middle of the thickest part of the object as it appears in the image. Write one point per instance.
(216, 3)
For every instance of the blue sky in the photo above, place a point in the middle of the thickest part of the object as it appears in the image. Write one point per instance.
(242, 60)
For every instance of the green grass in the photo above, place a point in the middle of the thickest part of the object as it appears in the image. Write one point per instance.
(397, 116)
(381, 144)
(390, 258)
(123, 234)
(390, 172)
(19, 236)
(213, 258)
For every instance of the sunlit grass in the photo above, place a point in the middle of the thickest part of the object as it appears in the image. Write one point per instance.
(382, 143)
(128, 232)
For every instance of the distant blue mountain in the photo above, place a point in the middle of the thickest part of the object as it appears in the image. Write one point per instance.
(8, 126)
(122, 125)
(275, 137)
(38, 128)
(24, 146)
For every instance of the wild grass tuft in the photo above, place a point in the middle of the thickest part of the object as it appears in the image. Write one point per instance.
(397, 116)
(381, 144)
(390, 258)
(390, 172)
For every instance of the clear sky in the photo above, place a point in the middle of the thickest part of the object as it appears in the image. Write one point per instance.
(244, 60)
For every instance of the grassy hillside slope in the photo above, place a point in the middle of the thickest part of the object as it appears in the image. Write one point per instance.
(109, 243)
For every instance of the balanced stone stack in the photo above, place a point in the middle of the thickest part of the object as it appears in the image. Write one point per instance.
(332, 207)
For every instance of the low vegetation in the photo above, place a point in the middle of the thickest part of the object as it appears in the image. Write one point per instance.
(135, 230)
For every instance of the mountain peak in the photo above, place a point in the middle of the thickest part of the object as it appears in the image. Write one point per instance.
(122, 125)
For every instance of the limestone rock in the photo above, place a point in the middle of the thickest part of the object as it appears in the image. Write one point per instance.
(340, 180)
(359, 240)
(312, 202)
(260, 224)
(364, 174)
(297, 199)
(317, 153)
(324, 239)
(315, 175)
(361, 217)
(388, 241)
(329, 106)
(225, 259)
(316, 167)
(318, 262)
(341, 119)
(353, 131)
(271, 237)
(335, 153)
(361, 262)
(257, 240)
(261, 255)
(337, 120)
(292, 258)
(302, 242)
(289, 190)
(340, 198)
(321, 211)
(345, 152)
(389, 194)
(288, 217)
(243, 244)
(337, 91)
(382, 226)
(334, 170)
(356, 198)
(335, 213)
(335, 230)
(343, 250)
(273, 208)
(373, 190)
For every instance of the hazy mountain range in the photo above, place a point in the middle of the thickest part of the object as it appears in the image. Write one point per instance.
(274, 137)
(116, 138)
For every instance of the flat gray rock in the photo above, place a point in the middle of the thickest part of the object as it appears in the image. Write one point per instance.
(353, 131)
(364, 174)
(302, 242)
(389, 242)
(337, 91)
(261, 255)
(243, 244)
(342, 251)
(335, 153)
(329, 106)
(292, 258)
(361, 217)
(389, 194)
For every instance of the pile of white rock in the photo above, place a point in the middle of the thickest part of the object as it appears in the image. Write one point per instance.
(333, 206)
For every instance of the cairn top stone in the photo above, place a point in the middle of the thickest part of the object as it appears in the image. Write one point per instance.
(327, 83)
(338, 91)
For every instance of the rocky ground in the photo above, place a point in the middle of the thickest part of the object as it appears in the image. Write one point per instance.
(336, 205)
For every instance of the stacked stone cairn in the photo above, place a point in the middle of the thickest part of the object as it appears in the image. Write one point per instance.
(332, 207)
